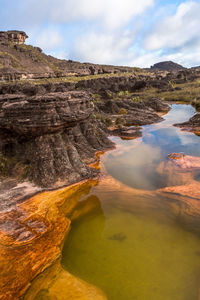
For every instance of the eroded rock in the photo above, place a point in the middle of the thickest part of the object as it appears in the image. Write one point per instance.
(192, 125)
(53, 136)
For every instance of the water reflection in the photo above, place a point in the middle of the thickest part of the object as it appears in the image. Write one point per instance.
(135, 163)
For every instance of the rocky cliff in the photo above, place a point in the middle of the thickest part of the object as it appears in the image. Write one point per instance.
(52, 137)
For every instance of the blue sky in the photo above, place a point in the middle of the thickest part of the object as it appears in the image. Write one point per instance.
(121, 32)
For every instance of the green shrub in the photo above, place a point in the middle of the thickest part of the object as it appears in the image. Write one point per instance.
(119, 121)
(122, 111)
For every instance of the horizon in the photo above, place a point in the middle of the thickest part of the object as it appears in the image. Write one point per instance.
(109, 32)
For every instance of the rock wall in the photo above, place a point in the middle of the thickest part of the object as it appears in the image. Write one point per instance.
(53, 136)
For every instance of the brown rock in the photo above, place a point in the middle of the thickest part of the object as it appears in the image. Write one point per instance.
(53, 137)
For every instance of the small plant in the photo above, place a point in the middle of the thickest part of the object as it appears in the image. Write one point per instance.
(135, 99)
(123, 94)
(108, 121)
(171, 84)
(119, 121)
(122, 111)
(97, 98)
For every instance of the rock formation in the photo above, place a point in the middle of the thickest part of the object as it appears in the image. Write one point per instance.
(50, 139)
(169, 66)
(14, 36)
(181, 171)
(52, 136)
(192, 125)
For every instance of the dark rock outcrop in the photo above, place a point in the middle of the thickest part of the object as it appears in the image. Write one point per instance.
(131, 132)
(53, 136)
(192, 125)
(169, 66)
(135, 113)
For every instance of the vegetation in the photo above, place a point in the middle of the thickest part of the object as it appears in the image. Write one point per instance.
(14, 62)
(97, 97)
(40, 57)
(10, 166)
(187, 92)
(119, 121)
(122, 111)
(103, 118)
(70, 78)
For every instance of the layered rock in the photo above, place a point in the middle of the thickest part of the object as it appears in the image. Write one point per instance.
(53, 136)
(192, 125)
(14, 36)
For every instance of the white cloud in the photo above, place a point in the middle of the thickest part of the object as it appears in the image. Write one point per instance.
(110, 31)
(111, 13)
(103, 47)
(49, 39)
(177, 30)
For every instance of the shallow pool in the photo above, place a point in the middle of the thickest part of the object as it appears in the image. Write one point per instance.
(135, 245)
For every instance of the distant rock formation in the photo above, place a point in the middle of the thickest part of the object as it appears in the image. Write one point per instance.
(14, 36)
(20, 61)
(169, 66)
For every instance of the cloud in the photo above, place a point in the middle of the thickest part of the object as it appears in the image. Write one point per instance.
(178, 30)
(49, 38)
(102, 47)
(108, 13)
(120, 32)
(111, 13)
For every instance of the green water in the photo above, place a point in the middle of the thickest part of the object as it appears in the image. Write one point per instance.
(133, 251)
(133, 257)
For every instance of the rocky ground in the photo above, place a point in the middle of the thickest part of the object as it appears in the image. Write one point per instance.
(192, 125)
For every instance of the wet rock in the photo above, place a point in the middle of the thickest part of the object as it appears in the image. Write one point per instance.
(127, 132)
(192, 125)
(181, 171)
(157, 105)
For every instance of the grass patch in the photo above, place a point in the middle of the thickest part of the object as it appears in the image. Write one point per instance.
(97, 98)
(10, 166)
(14, 62)
(73, 79)
(187, 92)
(122, 111)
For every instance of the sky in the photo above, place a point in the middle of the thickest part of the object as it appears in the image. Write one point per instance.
(119, 32)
